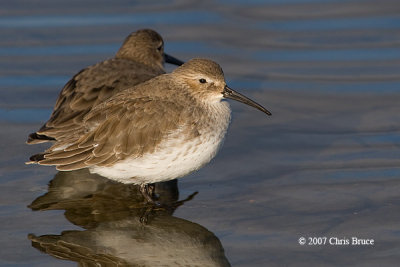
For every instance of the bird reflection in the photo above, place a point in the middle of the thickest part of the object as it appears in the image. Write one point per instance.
(115, 233)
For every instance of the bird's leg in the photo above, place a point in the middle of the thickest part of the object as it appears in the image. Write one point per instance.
(144, 189)
(151, 189)
(147, 191)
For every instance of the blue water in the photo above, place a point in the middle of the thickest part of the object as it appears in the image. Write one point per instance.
(373, 23)
(194, 17)
(24, 115)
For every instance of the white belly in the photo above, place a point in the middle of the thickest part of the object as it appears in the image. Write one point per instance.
(174, 158)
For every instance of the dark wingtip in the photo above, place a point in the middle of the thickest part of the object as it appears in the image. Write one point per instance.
(38, 138)
(37, 157)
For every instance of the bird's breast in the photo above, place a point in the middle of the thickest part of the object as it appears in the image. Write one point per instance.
(178, 154)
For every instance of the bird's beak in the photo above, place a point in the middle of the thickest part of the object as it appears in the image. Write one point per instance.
(231, 94)
(171, 60)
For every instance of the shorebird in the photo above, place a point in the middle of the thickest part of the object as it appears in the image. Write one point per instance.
(140, 58)
(159, 130)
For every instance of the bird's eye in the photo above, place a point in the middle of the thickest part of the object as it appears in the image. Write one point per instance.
(160, 48)
(202, 81)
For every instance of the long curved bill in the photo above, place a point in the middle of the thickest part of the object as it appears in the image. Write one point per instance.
(231, 94)
(172, 60)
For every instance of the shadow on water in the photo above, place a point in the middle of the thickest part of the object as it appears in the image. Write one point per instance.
(114, 234)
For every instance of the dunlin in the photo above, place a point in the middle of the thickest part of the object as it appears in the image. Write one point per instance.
(139, 59)
(159, 130)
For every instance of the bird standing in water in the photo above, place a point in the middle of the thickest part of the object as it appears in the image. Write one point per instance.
(140, 58)
(159, 130)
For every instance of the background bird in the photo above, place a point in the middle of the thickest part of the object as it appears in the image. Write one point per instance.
(140, 58)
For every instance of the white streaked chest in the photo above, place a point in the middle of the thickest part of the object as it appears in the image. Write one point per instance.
(174, 157)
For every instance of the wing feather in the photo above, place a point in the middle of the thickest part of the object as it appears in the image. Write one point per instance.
(78, 157)
(72, 166)
(66, 154)
(129, 124)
